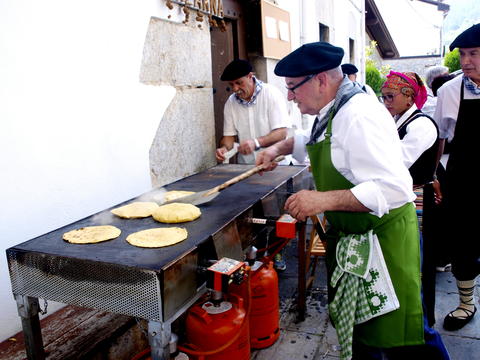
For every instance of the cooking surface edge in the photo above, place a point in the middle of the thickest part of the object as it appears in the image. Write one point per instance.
(222, 210)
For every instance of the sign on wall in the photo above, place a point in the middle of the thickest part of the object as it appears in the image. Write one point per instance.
(208, 7)
(275, 31)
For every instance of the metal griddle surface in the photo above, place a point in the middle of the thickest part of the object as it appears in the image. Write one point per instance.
(222, 210)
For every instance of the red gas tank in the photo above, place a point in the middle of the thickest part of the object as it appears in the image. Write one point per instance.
(209, 328)
(264, 311)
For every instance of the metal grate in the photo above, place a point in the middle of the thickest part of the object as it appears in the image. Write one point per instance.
(108, 287)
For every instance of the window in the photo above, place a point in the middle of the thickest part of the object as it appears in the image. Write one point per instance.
(324, 33)
(351, 49)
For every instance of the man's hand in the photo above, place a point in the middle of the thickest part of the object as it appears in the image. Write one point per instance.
(246, 147)
(220, 153)
(309, 202)
(437, 192)
(266, 158)
(304, 203)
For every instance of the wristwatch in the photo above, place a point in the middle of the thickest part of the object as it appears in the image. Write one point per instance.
(257, 144)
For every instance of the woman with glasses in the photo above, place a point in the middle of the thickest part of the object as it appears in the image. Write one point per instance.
(404, 95)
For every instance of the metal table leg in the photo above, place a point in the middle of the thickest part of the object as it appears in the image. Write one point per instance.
(159, 337)
(302, 272)
(28, 309)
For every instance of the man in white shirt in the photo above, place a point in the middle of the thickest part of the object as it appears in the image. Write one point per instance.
(256, 113)
(457, 115)
(363, 187)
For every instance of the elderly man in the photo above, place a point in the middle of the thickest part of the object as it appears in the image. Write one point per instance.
(458, 106)
(431, 74)
(365, 191)
(256, 113)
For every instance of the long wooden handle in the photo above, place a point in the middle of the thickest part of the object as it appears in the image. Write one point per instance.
(241, 177)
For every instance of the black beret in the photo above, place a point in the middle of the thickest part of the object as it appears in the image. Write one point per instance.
(236, 69)
(310, 59)
(349, 69)
(470, 38)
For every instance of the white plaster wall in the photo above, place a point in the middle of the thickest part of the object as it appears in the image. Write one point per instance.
(76, 124)
(349, 23)
(345, 19)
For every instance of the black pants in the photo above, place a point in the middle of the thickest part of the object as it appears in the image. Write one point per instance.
(436, 245)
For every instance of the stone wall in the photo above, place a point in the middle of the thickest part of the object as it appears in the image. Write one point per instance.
(179, 55)
(418, 64)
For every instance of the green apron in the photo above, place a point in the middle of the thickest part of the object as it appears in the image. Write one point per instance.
(398, 235)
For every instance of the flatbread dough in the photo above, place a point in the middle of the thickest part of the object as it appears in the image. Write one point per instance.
(159, 237)
(176, 213)
(92, 234)
(175, 194)
(139, 209)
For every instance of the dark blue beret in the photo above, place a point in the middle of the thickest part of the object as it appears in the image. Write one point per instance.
(470, 38)
(349, 69)
(235, 70)
(309, 59)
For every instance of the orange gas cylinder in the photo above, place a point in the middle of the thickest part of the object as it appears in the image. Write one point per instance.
(264, 312)
(209, 327)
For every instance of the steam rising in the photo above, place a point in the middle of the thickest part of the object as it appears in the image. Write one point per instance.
(157, 195)
(104, 218)
(107, 218)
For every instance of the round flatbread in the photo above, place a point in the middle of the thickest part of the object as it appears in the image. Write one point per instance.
(92, 234)
(175, 194)
(176, 213)
(139, 209)
(159, 237)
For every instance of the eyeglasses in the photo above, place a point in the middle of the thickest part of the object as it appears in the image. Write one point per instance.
(293, 88)
(388, 97)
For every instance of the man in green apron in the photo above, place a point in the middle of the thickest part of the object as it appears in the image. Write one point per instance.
(458, 106)
(364, 189)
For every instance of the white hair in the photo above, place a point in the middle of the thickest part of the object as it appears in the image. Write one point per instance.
(433, 72)
(335, 73)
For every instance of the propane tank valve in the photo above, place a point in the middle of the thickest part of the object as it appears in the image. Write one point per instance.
(224, 272)
(216, 297)
(251, 255)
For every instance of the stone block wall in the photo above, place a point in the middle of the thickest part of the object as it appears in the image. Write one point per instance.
(179, 55)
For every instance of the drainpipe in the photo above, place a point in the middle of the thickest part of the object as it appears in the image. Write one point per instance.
(301, 20)
(364, 42)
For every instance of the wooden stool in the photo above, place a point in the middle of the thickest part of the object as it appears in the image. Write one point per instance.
(316, 247)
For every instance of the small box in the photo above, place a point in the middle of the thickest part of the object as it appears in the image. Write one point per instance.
(286, 227)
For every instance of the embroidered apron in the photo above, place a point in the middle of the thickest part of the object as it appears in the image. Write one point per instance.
(460, 193)
(399, 240)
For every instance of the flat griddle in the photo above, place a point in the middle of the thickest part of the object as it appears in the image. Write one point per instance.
(215, 215)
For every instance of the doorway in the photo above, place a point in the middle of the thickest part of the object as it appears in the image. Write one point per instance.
(226, 46)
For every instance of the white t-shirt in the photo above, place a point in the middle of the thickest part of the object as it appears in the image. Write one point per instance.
(249, 122)
(448, 104)
(367, 151)
(421, 135)
(430, 105)
(370, 90)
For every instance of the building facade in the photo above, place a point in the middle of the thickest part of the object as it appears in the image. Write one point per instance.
(102, 101)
